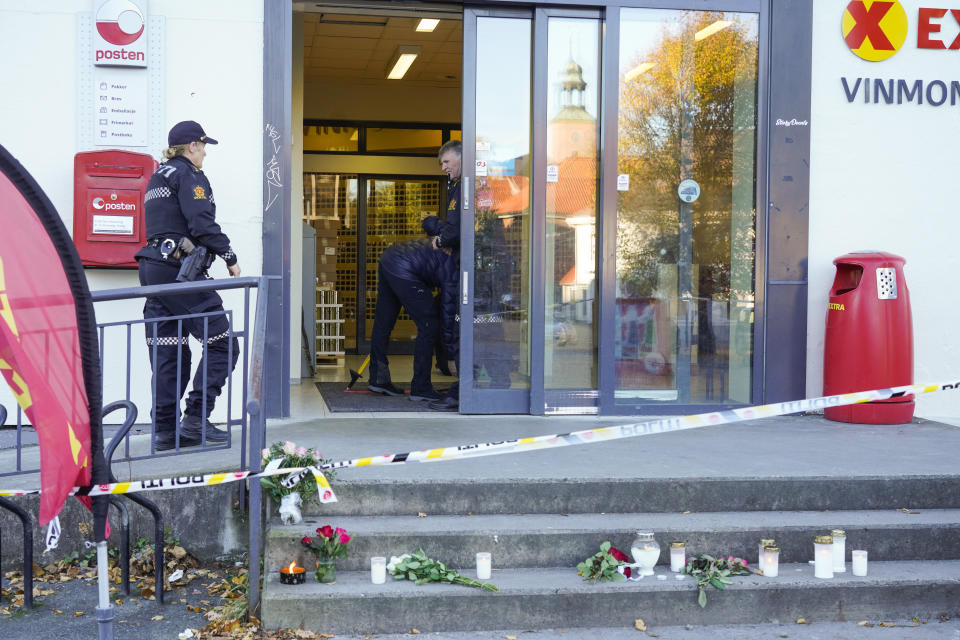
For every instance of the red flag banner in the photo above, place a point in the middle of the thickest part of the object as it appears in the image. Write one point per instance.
(41, 352)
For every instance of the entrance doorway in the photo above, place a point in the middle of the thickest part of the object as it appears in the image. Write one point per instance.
(370, 139)
(610, 188)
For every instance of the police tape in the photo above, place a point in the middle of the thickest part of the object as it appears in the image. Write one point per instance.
(324, 490)
(649, 427)
(536, 443)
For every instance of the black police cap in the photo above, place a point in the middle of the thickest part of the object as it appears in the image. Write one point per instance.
(186, 132)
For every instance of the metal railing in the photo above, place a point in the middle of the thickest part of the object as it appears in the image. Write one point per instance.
(251, 358)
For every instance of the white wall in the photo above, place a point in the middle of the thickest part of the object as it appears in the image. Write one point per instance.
(884, 177)
(213, 74)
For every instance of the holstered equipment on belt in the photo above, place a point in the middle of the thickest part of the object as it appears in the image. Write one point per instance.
(194, 260)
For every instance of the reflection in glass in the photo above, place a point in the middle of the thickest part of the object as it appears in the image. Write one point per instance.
(502, 204)
(685, 284)
(570, 357)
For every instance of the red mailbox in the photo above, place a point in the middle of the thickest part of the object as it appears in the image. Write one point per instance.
(108, 190)
(869, 337)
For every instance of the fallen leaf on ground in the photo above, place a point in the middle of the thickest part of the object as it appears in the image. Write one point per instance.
(802, 621)
(421, 514)
(156, 618)
(639, 624)
(908, 511)
(416, 631)
(77, 614)
(864, 623)
(511, 637)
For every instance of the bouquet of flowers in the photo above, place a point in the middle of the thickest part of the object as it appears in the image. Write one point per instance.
(714, 571)
(328, 545)
(603, 565)
(304, 490)
(421, 569)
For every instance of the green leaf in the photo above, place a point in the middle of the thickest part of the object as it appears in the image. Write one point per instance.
(605, 547)
(413, 565)
(411, 575)
(702, 598)
(618, 577)
(716, 582)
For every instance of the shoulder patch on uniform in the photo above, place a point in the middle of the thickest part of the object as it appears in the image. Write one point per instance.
(199, 193)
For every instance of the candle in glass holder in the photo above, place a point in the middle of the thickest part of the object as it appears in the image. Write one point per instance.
(764, 542)
(483, 566)
(293, 574)
(771, 561)
(378, 570)
(859, 562)
(678, 556)
(839, 550)
(823, 557)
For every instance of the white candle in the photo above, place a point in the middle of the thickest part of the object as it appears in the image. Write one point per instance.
(839, 550)
(483, 566)
(859, 562)
(771, 562)
(678, 556)
(378, 570)
(823, 557)
(764, 542)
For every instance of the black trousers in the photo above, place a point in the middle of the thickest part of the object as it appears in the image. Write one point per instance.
(417, 299)
(169, 349)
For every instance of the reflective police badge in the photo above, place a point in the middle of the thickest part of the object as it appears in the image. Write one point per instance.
(198, 193)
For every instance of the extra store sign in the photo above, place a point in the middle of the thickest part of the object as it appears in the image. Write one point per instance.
(876, 30)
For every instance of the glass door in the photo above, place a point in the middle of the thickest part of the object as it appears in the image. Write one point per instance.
(609, 209)
(495, 365)
(685, 208)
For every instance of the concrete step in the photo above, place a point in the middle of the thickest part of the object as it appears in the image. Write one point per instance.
(551, 540)
(548, 598)
(637, 495)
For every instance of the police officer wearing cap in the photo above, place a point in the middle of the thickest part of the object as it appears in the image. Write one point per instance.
(179, 205)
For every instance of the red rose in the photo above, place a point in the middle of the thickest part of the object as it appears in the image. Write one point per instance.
(306, 540)
(620, 556)
(326, 531)
(339, 531)
(344, 538)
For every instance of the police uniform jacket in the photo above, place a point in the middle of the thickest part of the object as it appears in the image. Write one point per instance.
(447, 230)
(179, 202)
(417, 261)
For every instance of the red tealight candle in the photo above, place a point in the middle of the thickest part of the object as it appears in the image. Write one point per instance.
(293, 574)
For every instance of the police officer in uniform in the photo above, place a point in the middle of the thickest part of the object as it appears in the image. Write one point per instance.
(445, 235)
(179, 204)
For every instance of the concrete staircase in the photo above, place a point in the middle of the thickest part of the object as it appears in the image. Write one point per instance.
(539, 529)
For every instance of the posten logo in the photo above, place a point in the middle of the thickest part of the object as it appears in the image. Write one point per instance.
(874, 29)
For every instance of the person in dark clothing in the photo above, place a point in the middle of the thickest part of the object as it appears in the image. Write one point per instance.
(445, 234)
(406, 276)
(179, 204)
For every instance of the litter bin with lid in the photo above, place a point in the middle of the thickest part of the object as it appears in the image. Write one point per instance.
(868, 342)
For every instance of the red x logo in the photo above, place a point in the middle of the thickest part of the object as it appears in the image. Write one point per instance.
(868, 25)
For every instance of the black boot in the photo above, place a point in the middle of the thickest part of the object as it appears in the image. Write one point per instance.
(380, 380)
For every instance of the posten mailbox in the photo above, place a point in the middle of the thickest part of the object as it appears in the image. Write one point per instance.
(108, 191)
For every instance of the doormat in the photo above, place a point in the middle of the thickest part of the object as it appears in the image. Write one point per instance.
(359, 398)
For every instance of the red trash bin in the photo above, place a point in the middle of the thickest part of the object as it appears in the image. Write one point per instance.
(868, 342)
